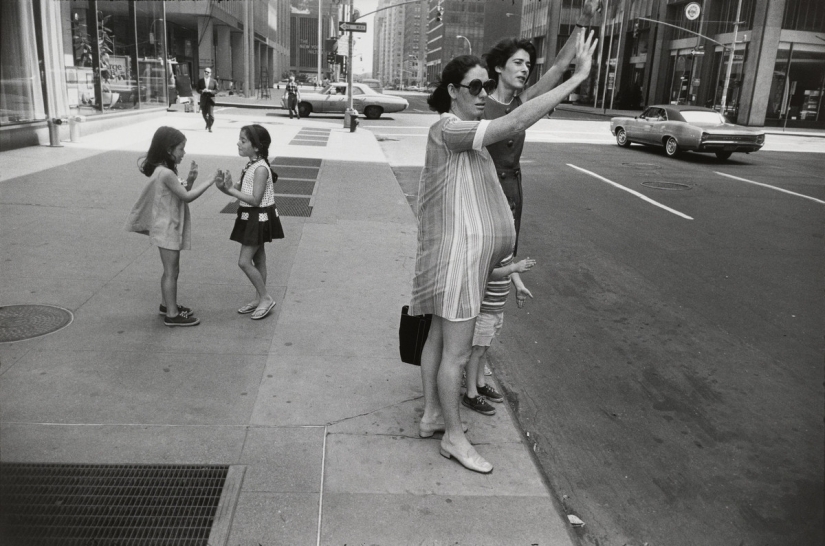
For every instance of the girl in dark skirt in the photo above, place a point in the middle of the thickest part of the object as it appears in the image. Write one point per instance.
(257, 222)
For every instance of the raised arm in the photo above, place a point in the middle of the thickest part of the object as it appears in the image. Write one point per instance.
(258, 188)
(186, 195)
(553, 76)
(529, 113)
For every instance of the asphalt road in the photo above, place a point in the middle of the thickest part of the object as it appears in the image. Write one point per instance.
(669, 370)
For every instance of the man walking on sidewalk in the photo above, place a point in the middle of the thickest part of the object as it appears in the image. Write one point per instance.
(293, 95)
(207, 87)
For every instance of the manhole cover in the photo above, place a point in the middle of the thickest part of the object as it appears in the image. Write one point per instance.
(674, 186)
(123, 505)
(643, 166)
(19, 322)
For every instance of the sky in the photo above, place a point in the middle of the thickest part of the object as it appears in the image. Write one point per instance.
(364, 41)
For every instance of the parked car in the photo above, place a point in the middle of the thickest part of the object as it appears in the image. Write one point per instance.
(333, 99)
(681, 128)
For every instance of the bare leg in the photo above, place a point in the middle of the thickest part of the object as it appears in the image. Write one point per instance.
(430, 364)
(247, 265)
(456, 350)
(169, 280)
(475, 373)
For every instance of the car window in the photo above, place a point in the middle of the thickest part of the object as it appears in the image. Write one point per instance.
(647, 113)
(657, 114)
(356, 91)
(703, 117)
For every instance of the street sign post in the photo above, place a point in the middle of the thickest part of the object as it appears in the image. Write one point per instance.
(350, 26)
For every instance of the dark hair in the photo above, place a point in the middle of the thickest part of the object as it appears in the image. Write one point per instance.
(440, 100)
(259, 138)
(500, 53)
(159, 152)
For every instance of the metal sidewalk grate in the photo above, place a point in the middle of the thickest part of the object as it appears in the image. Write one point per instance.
(123, 505)
(19, 322)
(311, 137)
(296, 161)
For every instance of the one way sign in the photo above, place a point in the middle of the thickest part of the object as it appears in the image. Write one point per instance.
(347, 26)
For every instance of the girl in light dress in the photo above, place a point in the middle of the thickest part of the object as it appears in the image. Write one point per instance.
(162, 213)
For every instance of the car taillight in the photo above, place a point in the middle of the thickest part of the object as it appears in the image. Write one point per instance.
(705, 136)
(760, 139)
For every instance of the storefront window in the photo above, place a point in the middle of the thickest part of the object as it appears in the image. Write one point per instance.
(684, 68)
(103, 48)
(21, 90)
(797, 88)
(720, 68)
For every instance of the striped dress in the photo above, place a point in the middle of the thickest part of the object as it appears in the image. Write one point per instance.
(465, 226)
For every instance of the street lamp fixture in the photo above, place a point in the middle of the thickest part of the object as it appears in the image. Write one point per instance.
(469, 45)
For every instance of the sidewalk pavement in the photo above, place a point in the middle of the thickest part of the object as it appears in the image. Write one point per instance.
(311, 406)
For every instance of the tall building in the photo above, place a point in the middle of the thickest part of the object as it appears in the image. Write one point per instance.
(117, 61)
(303, 60)
(399, 43)
(467, 27)
(774, 74)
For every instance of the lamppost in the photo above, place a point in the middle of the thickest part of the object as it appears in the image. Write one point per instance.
(469, 45)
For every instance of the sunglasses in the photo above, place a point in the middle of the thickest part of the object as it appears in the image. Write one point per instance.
(207, 72)
(476, 86)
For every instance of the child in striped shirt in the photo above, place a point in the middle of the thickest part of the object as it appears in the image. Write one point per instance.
(488, 325)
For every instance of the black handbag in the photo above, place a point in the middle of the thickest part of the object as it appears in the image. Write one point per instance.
(412, 333)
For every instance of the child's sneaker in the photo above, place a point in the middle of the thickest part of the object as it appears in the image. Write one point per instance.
(491, 394)
(478, 404)
(181, 309)
(183, 319)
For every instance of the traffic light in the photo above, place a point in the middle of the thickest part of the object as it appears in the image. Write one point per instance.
(439, 11)
(636, 29)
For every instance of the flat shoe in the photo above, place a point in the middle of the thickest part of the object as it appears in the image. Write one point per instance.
(425, 430)
(471, 461)
(248, 308)
(261, 313)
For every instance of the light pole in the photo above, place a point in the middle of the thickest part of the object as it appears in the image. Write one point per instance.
(730, 59)
(469, 45)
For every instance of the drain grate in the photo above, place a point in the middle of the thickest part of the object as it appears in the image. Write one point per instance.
(19, 322)
(123, 505)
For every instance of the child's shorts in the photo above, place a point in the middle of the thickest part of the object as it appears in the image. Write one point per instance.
(488, 326)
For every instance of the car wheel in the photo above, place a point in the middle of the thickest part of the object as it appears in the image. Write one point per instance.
(671, 147)
(373, 112)
(305, 109)
(723, 155)
(621, 138)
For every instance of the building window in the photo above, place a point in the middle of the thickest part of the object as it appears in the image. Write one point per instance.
(804, 15)
(21, 89)
(797, 88)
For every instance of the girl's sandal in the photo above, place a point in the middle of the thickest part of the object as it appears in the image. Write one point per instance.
(248, 308)
(261, 312)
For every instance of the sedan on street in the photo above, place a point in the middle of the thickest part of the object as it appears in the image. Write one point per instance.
(681, 128)
(333, 99)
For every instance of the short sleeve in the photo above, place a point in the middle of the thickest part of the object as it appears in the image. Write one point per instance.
(462, 136)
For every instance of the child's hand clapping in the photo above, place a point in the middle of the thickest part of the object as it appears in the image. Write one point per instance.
(524, 266)
(193, 174)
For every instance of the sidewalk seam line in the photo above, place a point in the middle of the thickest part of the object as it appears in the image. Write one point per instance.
(321, 490)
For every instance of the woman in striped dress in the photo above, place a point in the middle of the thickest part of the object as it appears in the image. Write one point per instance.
(465, 228)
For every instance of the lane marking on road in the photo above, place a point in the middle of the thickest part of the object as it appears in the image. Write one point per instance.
(769, 186)
(637, 194)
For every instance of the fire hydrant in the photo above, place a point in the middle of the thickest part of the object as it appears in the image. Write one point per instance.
(54, 132)
(350, 119)
(74, 128)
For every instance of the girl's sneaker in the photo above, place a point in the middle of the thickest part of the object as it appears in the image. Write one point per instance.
(183, 319)
(478, 404)
(488, 392)
(181, 309)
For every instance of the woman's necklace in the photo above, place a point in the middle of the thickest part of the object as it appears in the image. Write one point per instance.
(496, 97)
